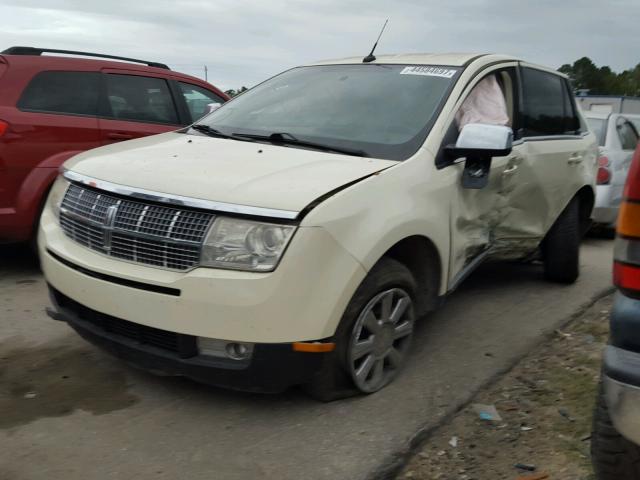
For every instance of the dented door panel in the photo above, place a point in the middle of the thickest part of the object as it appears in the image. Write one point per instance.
(550, 175)
(476, 215)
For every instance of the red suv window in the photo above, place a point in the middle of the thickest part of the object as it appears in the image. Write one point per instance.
(199, 100)
(143, 99)
(62, 92)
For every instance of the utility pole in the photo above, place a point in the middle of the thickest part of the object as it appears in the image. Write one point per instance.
(205, 73)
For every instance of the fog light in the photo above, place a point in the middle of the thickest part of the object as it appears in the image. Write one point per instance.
(212, 347)
(238, 351)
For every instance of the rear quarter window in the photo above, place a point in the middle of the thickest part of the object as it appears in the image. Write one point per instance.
(62, 92)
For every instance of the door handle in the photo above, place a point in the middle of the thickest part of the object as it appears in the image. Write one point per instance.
(119, 136)
(574, 159)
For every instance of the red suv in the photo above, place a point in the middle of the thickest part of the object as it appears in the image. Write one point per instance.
(53, 107)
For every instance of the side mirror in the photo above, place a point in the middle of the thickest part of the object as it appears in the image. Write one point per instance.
(479, 143)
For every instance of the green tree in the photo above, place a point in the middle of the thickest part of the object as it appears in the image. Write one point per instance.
(602, 81)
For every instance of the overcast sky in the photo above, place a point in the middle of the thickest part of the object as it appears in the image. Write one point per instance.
(244, 42)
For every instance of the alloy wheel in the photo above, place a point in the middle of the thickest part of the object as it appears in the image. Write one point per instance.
(380, 339)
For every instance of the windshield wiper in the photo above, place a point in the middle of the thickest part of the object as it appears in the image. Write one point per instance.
(284, 138)
(212, 132)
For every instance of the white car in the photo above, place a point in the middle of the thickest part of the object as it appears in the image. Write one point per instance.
(294, 235)
(617, 136)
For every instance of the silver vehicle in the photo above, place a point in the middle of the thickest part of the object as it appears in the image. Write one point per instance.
(617, 136)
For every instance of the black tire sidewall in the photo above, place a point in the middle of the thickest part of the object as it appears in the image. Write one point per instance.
(561, 247)
(334, 381)
(387, 274)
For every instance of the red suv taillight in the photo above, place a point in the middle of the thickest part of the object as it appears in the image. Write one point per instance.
(4, 126)
(604, 174)
(626, 267)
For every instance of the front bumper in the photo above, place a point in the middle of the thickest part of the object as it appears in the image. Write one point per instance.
(621, 368)
(302, 300)
(272, 367)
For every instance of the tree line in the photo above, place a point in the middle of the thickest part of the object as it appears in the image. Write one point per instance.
(233, 93)
(585, 75)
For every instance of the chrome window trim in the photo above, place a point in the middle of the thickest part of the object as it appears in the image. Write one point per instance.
(547, 138)
(179, 200)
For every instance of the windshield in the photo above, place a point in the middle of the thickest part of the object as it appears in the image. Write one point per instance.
(385, 111)
(597, 126)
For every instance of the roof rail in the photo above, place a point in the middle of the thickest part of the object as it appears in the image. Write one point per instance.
(40, 51)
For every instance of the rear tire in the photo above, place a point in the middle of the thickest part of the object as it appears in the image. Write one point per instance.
(337, 379)
(613, 456)
(561, 247)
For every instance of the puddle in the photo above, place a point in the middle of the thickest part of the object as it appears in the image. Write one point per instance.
(54, 381)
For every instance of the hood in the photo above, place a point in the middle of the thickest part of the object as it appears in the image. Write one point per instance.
(221, 170)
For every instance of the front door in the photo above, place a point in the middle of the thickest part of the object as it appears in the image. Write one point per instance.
(478, 216)
(136, 106)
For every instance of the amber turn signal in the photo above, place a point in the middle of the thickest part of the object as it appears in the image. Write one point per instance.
(315, 347)
(629, 219)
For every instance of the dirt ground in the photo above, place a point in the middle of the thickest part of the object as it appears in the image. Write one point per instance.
(545, 404)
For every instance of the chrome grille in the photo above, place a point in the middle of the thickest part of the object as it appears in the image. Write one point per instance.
(132, 230)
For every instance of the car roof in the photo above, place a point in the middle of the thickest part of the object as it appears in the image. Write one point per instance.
(439, 59)
(450, 59)
(56, 62)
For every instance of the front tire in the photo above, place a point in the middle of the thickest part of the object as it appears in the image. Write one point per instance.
(613, 456)
(373, 337)
(561, 247)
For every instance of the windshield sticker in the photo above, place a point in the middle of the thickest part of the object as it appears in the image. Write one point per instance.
(428, 71)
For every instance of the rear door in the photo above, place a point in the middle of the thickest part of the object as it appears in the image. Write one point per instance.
(135, 105)
(558, 154)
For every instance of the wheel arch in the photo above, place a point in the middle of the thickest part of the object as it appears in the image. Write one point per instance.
(420, 255)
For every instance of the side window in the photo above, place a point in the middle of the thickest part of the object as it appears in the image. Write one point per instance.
(199, 99)
(547, 107)
(62, 92)
(628, 135)
(142, 99)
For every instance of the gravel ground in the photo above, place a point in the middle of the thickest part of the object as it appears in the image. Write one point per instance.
(545, 404)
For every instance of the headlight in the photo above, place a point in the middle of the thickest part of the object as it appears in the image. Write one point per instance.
(57, 193)
(245, 245)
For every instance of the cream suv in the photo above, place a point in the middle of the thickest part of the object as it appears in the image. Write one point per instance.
(295, 235)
